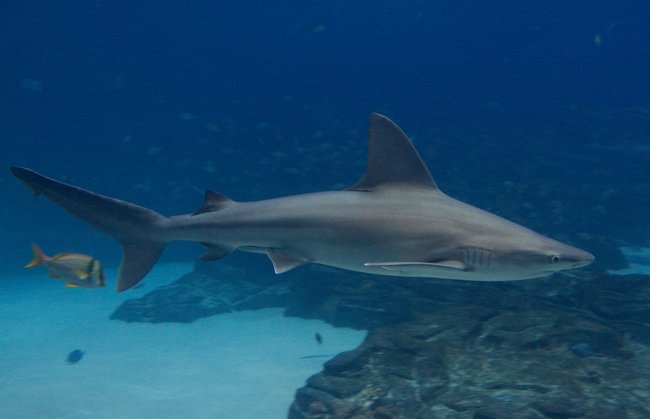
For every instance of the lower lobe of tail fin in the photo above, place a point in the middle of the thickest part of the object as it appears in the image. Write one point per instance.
(137, 260)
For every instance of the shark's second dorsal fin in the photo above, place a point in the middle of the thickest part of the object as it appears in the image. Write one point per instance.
(214, 201)
(392, 158)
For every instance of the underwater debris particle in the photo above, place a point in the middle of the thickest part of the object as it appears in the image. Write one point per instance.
(582, 349)
(186, 116)
(153, 150)
(32, 84)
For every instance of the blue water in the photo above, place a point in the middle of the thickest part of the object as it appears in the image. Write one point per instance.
(539, 111)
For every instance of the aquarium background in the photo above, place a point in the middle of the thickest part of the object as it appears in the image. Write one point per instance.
(538, 111)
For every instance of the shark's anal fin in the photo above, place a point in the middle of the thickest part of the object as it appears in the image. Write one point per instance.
(421, 267)
(284, 261)
(214, 252)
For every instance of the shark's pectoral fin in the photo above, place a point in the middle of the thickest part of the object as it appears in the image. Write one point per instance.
(284, 261)
(421, 267)
(451, 264)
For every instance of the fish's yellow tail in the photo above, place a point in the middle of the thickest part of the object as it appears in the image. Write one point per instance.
(39, 256)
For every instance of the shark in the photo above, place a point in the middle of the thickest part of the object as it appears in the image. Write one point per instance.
(394, 221)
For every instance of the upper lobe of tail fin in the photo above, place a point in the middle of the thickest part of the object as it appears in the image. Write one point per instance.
(138, 229)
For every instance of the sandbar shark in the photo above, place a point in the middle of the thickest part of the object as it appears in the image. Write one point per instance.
(393, 221)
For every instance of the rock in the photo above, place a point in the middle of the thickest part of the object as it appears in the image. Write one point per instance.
(480, 362)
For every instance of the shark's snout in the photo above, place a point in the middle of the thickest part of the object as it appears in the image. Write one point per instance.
(577, 258)
(585, 259)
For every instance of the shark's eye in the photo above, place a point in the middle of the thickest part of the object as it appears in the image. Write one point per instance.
(555, 258)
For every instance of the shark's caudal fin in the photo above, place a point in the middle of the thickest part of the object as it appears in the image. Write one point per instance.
(136, 228)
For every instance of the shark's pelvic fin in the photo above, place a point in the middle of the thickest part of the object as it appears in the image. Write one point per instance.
(392, 159)
(284, 261)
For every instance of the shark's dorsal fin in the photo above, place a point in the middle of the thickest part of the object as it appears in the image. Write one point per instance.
(214, 201)
(392, 158)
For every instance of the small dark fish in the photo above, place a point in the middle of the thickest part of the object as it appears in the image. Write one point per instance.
(318, 338)
(318, 356)
(75, 356)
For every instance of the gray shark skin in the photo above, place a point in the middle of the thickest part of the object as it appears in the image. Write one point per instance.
(394, 221)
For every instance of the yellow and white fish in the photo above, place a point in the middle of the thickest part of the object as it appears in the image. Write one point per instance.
(77, 269)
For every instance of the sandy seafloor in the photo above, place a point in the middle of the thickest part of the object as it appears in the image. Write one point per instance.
(237, 365)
